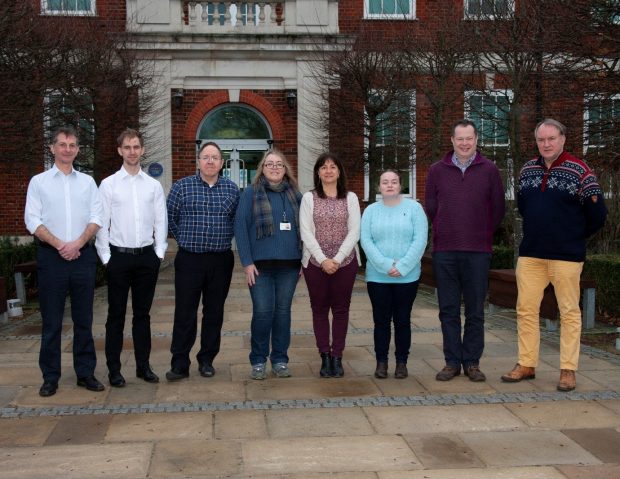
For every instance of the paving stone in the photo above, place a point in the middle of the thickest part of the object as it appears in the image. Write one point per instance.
(240, 425)
(602, 471)
(20, 376)
(317, 422)
(328, 454)
(136, 392)
(442, 451)
(8, 394)
(26, 431)
(565, 415)
(526, 448)
(490, 473)
(67, 394)
(193, 458)
(79, 430)
(548, 381)
(439, 419)
(202, 389)
(17, 346)
(608, 378)
(292, 388)
(604, 443)
(159, 426)
(76, 462)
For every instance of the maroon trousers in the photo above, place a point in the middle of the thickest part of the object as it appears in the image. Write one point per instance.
(330, 291)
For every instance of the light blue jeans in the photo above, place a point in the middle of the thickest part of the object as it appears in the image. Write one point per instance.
(272, 295)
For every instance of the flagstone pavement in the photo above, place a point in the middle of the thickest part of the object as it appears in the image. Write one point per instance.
(304, 427)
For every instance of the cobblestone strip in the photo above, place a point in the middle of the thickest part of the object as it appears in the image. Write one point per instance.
(343, 402)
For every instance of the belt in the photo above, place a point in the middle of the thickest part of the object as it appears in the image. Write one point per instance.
(134, 251)
(43, 244)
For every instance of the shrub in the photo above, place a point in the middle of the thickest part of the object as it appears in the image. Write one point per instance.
(502, 257)
(11, 254)
(605, 270)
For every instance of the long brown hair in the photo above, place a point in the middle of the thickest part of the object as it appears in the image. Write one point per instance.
(288, 171)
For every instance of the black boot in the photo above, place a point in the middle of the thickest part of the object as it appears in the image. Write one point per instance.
(337, 370)
(326, 365)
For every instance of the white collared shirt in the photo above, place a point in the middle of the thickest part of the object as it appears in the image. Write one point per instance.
(64, 204)
(134, 214)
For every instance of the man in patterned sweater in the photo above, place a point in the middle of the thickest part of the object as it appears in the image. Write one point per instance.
(562, 205)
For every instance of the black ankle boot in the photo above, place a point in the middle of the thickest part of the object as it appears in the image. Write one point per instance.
(337, 370)
(326, 365)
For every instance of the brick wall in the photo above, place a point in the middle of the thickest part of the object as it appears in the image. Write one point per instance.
(198, 103)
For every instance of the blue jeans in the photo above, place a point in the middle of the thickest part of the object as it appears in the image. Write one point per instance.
(392, 302)
(272, 295)
(462, 274)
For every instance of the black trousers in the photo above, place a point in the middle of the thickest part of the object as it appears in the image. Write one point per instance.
(57, 277)
(138, 273)
(199, 274)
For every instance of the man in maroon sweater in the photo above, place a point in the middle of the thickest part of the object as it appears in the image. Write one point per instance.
(465, 203)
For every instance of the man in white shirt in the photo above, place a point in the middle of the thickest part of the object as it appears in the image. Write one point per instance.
(63, 212)
(131, 243)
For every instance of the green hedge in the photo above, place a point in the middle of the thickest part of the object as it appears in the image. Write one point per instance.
(605, 270)
(11, 254)
(503, 257)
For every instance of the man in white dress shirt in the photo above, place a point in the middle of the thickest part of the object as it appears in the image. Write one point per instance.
(63, 212)
(131, 243)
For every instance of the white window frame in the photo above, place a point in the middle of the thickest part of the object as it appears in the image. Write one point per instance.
(412, 158)
(471, 16)
(468, 112)
(78, 13)
(391, 16)
(587, 145)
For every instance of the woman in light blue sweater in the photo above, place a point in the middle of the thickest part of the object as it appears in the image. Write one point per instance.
(394, 233)
(267, 236)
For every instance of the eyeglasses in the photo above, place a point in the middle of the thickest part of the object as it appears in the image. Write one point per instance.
(274, 166)
(210, 159)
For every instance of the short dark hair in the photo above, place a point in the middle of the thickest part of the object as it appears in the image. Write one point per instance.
(464, 123)
(551, 122)
(66, 130)
(209, 143)
(341, 184)
(128, 134)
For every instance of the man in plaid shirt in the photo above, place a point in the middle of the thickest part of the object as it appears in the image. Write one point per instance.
(201, 215)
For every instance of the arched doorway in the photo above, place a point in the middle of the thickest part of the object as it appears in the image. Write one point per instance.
(242, 133)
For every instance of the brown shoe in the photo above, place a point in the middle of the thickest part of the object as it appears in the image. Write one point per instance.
(474, 374)
(447, 373)
(519, 373)
(381, 370)
(401, 371)
(567, 380)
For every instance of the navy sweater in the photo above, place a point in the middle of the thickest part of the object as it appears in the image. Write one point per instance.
(561, 207)
(284, 245)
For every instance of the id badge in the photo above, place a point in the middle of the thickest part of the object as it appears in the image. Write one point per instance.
(285, 226)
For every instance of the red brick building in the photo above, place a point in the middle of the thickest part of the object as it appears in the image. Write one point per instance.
(252, 76)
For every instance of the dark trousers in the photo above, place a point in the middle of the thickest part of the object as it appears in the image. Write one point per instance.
(196, 274)
(57, 277)
(138, 273)
(462, 274)
(392, 302)
(330, 291)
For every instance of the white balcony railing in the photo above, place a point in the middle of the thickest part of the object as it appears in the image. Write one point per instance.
(212, 17)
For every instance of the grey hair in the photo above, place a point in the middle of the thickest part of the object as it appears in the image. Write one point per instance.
(551, 122)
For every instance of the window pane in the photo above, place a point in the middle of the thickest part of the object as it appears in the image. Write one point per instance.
(234, 122)
(374, 7)
(389, 6)
(54, 4)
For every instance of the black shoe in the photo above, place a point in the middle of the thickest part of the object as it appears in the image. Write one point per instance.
(337, 369)
(48, 389)
(116, 379)
(401, 371)
(175, 374)
(206, 370)
(91, 383)
(147, 374)
(326, 366)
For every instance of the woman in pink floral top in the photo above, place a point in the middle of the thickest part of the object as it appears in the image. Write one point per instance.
(329, 221)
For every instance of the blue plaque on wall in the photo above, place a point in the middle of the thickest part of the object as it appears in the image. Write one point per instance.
(155, 170)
